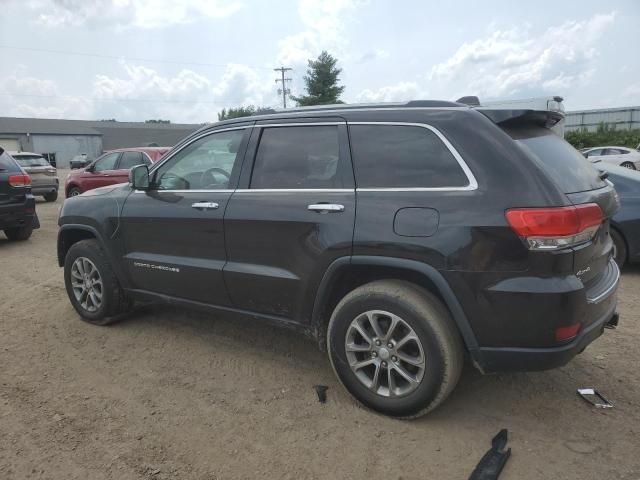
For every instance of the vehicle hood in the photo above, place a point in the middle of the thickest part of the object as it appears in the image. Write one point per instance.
(103, 190)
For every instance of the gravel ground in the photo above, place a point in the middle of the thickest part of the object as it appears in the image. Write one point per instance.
(169, 394)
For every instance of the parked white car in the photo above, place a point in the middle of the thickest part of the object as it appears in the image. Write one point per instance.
(622, 156)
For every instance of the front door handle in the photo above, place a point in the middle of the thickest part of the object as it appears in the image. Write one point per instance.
(205, 205)
(326, 207)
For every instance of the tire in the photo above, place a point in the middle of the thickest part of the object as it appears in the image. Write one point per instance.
(628, 165)
(51, 196)
(19, 234)
(619, 248)
(113, 302)
(440, 342)
(73, 192)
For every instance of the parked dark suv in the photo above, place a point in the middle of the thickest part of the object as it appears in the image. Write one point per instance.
(402, 238)
(17, 206)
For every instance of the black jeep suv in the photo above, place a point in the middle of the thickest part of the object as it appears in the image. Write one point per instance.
(401, 237)
(17, 205)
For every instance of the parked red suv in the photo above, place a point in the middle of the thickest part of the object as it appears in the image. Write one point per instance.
(110, 168)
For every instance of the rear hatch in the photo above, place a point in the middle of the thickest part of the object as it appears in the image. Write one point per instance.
(8, 193)
(40, 171)
(577, 178)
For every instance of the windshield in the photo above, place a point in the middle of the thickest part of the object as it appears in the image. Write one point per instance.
(570, 170)
(31, 161)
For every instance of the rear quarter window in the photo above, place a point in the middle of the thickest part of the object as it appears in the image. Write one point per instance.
(567, 167)
(403, 156)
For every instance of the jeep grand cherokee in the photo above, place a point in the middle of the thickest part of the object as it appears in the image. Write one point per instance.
(400, 237)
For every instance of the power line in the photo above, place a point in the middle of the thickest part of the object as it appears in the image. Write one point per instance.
(116, 57)
(284, 90)
(148, 100)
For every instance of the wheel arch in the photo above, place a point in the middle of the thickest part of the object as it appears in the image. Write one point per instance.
(347, 273)
(70, 234)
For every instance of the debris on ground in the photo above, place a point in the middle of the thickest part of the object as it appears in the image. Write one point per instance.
(321, 390)
(595, 398)
(492, 463)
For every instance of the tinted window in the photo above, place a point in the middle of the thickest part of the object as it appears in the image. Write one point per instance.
(595, 153)
(6, 162)
(615, 151)
(393, 156)
(108, 162)
(564, 163)
(205, 164)
(131, 159)
(297, 157)
(31, 161)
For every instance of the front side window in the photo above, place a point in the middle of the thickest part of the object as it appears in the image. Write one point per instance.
(108, 162)
(398, 156)
(205, 164)
(130, 160)
(297, 157)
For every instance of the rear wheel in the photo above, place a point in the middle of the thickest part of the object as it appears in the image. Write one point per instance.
(51, 196)
(19, 233)
(628, 165)
(91, 284)
(395, 348)
(619, 248)
(73, 192)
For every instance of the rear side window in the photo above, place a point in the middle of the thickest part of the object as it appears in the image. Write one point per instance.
(7, 163)
(130, 160)
(396, 156)
(298, 157)
(570, 170)
(108, 162)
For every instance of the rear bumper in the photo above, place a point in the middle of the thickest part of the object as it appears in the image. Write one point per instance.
(493, 360)
(19, 214)
(44, 189)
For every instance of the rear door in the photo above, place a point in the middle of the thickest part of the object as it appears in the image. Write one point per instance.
(292, 217)
(127, 161)
(581, 182)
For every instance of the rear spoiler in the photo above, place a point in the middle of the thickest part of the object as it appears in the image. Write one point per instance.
(512, 118)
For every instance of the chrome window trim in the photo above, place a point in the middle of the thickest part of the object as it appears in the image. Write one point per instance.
(173, 152)
(295, 190)
(472, 185)
(300, 124)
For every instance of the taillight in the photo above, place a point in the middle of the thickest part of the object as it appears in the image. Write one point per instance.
(555, 227)
(21, 180)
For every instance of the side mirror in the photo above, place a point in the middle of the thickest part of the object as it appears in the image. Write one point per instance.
(139, 177)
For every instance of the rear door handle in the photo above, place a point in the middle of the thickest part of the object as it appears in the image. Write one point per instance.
(326, 207)
(205, 205)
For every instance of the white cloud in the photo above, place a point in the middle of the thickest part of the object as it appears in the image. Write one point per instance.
(137, 13)
(25, 95)
(402, 91)
(323, 22)
(187, 96)
(514, 62)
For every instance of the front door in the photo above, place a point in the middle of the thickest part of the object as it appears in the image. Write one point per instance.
(173, 233)
(101, 173)
(291, 219)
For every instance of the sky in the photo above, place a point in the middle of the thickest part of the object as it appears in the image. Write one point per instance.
(185, 60)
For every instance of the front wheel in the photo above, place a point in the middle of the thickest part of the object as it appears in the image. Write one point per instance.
(395, 348)
(92, 287)
(628, 165)
(73, 192)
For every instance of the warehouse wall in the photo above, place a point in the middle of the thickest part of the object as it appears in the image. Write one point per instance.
(66, 146)
(622, 118)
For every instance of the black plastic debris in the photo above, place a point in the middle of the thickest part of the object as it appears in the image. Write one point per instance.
(321, 390)
(492, 463)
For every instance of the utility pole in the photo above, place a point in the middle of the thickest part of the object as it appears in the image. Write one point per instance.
(284, 90)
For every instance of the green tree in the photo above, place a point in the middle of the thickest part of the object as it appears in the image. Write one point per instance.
(321, 82)
(241, 112)
(159, 120)
(604, 135)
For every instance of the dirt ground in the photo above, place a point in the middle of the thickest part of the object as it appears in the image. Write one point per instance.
(168, 394)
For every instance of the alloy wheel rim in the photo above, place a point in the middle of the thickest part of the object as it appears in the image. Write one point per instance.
(86, 283)
(385, 353)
